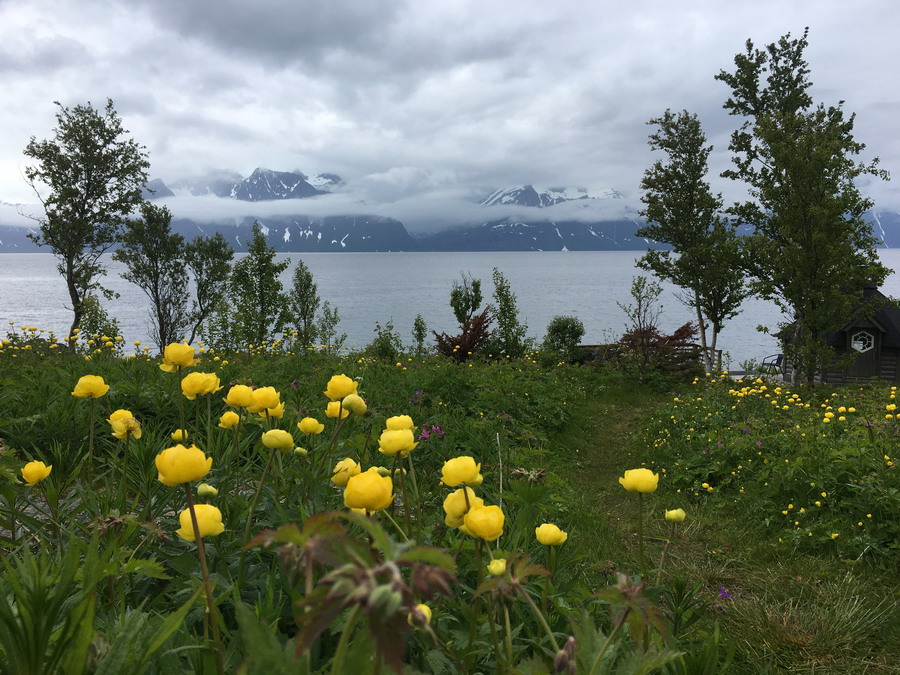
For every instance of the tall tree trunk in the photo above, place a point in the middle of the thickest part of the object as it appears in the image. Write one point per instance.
(76, 300)
(701, 325)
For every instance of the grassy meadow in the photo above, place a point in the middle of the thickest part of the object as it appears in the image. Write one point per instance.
(785, 560)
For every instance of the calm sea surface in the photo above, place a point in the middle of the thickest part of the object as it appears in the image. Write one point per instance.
(370, 287)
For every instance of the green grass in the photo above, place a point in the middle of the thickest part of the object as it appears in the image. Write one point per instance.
(559, 436)
(789, 610)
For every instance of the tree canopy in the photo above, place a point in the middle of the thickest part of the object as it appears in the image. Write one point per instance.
(681, 210)
(811, 251)
(88, 177)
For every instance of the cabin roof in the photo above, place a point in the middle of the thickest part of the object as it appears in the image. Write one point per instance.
(887, 318)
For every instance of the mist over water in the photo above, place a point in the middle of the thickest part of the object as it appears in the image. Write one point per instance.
(370, 287)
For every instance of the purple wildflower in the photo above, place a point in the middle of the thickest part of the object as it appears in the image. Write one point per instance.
(723, 593)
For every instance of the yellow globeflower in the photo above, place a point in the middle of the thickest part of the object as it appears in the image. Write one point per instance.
(199, 384)
(549, 534)
(393, 442)
(126, 427)
(310, 426)
(497, 567)
(355, 404)
(343, 471)
(485, 522)
(179, 435)
(206, 490)
(278, 439)
(340, 386)
(399, 422)
(334, 409)
(640, 480)
(229, 419)
(35, 472)
(275, 413)
(461, 470)
(90, 386)
(240, 396)
(420, 616)
(369, 491)
(179, 464)
(209, 522)
(264, 398)
(178, 355)
(455, 505)
(119, 415)
(676, 516)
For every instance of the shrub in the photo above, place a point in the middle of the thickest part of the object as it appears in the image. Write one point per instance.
(474, 335)
(387, 345)
(563, 335)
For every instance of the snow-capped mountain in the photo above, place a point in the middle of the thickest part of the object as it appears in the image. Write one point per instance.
(265, 184)
(218, 183)
(529, 195)
(261, 185)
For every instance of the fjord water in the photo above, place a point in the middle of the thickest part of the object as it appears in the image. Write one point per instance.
(370, 287)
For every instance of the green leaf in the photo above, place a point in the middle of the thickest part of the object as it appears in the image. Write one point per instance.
(428, 555)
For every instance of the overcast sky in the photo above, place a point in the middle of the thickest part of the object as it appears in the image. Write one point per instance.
(426, 99)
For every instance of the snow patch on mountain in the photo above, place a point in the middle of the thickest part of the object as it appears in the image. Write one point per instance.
(540, 197)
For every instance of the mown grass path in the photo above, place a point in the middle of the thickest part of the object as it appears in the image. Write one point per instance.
(595, 449)
(784, 613)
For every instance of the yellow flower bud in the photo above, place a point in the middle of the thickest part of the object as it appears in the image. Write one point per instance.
(278, 439)
(209, 522)
(310, 426)
(676, 516)
(497, 567)
(549, 534)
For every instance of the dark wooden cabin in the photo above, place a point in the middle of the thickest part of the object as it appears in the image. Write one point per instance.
(874, 341)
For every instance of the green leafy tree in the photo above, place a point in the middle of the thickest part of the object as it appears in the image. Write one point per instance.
(563, 335)
(259, 304)
(332, 342)
(154, 259)
(304, 303)
(465, 298)
(682, 211)
(88, 177)
(209, 261)
(508, 339)
(419, 333)
(811, 252)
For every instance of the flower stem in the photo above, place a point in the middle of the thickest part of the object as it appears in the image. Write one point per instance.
(641, 533)
(662, 558)
(415, 486)
(91, 431)
(541, 618)
(395, 524)
(509, 648)
(608, 642)
(207, 586)
(339, 655)
(407, 510)
(249, 524)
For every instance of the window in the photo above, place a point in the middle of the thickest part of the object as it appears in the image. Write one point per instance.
(862, 341)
